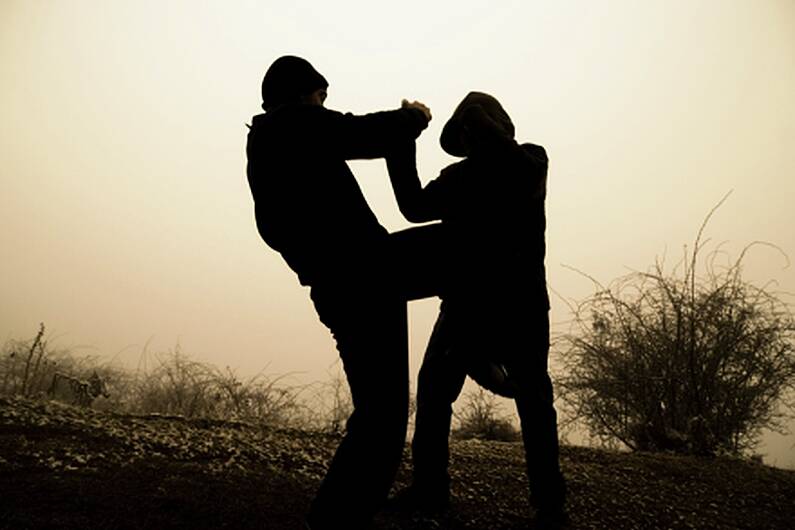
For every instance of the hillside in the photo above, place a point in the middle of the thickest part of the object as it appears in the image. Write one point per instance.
(63, 467)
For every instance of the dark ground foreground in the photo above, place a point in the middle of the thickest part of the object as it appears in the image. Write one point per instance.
(63, 467)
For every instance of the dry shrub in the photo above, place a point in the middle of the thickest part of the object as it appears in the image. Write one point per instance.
(480, 416)
(679, 361)
(178, 385)
(27, 367)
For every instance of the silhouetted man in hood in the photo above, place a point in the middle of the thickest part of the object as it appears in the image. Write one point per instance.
(495, 303)
(310, 209)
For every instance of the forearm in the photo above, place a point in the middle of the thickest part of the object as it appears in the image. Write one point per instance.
(413, 203)
(373, 135)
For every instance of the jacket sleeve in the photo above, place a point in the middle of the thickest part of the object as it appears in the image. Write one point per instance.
(417, 204)
(370, 135)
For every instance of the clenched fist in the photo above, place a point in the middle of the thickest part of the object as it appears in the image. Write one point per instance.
(406, 104)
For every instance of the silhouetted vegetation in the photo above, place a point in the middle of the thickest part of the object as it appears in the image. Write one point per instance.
(28, 367)
(681, 361)
(169, 383)
(480, 416)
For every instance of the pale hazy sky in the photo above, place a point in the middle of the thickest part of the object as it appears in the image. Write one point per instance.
(125, 215)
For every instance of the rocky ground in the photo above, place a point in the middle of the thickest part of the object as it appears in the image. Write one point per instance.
(70, 468)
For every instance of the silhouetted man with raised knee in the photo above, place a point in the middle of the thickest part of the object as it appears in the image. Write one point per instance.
(310, 209)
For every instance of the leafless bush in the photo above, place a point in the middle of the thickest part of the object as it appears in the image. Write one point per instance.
(329, 405)
(680, 361)
(27, 367)
(24, 364)
(481, 417)
(181, 386)
(175, 384)
(338, 403)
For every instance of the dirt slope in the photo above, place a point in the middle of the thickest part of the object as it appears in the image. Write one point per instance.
(63, 467)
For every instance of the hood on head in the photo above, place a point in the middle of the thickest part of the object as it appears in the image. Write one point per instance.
(451, 140)
(289, 78)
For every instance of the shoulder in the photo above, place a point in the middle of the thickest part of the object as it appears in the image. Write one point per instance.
(296, 122)
(535, 151)
(455, 168)
(453, 172)
(450, 178)
(534, 157)
(293, 112)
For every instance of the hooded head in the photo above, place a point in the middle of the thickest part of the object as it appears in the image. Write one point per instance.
(452, 138)
(289, 79)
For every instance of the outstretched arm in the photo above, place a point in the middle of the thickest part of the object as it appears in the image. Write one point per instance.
(371, 135)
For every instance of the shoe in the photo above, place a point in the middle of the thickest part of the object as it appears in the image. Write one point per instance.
(417, 499)
(551, 519)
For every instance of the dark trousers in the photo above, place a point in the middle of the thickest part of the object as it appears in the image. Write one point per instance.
(370, 328)
(521, 342)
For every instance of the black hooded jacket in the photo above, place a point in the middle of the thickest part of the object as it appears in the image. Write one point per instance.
(308, 204)
(492, 203)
